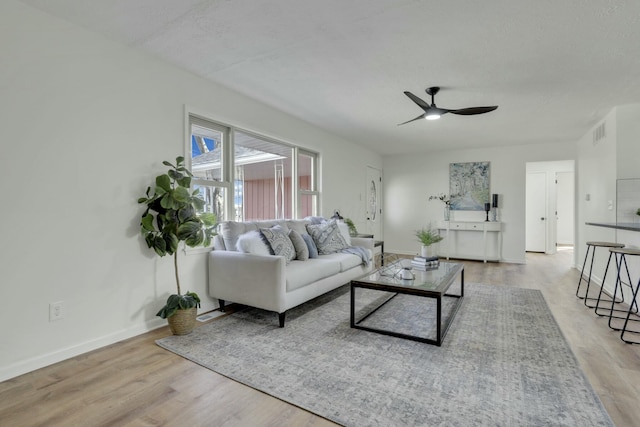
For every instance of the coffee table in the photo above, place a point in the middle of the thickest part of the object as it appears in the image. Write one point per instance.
(433, 283)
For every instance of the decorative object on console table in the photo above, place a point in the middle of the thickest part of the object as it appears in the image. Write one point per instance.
(174, 214)
(494, 205)
(337, 217)
(487, 208)
(447, 204)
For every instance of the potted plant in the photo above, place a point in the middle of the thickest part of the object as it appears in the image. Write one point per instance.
(427, 237)
(353, 231)
(173, 215)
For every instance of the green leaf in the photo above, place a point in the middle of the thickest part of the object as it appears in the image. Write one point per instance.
(191, 233)
(208, 218)
(160, 246)
(167, 201)
(187, 213)
(181, 195)
(175, 175)
(164, 182)
(171, 241)
(185, 181)
(147, 222)
(180, 161)
(167, 164)
(142, 200)
(198, 203)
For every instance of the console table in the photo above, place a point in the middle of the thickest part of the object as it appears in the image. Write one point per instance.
(459, 243)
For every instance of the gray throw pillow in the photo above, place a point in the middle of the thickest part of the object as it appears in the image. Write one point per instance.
(302, 252)
(279, 241)
(313, 251)
(327, 237)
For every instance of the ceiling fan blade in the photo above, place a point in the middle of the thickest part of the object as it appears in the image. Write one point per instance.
(417, 118)
(418, 101)
(473, 110)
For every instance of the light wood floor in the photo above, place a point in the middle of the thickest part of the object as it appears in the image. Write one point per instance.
(136, 383)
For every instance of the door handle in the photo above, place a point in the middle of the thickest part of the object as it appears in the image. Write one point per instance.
(542, 218)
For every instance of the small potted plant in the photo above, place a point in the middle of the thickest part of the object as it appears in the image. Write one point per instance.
(353, 231)
(173, 215)
(427, 237)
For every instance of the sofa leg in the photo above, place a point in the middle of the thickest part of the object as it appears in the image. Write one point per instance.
(281, 319)
(221, 301)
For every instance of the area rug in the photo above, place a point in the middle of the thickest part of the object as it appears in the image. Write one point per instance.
(504, 362)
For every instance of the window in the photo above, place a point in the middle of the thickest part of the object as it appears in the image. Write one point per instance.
(209, 143)
(244, 176)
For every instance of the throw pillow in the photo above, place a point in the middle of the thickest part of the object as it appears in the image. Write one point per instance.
(279, 241)
(302, 252)
(313, 251)
(252, 242)
(344, 230)
(327, 237)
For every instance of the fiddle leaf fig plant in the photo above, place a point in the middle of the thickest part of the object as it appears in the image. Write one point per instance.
(173, 215)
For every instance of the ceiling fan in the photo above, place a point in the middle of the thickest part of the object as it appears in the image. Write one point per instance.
(431, 112)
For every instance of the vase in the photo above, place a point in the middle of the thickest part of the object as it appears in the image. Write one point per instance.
(427, 251)
(447, 212)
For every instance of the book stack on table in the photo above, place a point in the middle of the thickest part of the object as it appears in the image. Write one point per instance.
(425, 263)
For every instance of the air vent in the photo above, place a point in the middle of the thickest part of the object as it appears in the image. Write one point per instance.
(599, 133)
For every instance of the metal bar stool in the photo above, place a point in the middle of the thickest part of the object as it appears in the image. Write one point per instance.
(620, 254)
(623, 253)
(591, 246)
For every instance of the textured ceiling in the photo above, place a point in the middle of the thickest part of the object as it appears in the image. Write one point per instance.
(555, 68)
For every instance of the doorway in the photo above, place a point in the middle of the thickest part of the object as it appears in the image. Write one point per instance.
(550, 206)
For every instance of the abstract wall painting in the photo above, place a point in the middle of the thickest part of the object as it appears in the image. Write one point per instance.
(469, 185)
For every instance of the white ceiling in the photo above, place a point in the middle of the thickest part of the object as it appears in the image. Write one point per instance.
(555, 68)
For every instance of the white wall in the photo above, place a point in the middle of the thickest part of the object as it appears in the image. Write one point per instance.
(411, 179)
(86, 124)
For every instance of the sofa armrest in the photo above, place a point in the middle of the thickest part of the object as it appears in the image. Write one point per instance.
(365, 242)
(254, 280)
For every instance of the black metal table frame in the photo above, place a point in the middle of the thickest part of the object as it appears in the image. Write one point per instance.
(441, 330)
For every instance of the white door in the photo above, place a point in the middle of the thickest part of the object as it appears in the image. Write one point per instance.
(536, 208)
(564, 208)
(374, 202)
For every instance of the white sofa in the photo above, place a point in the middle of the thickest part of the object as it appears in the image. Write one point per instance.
(270, 282)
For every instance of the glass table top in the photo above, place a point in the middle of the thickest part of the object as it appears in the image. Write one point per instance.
(437, 279)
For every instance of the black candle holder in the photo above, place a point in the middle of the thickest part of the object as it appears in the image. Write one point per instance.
(487, 208)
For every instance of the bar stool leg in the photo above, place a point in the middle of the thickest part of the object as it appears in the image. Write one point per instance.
(613, 301)
(619, 283)
(626, 320)
(584, 264)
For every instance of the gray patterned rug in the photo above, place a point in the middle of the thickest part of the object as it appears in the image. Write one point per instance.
(504, 362)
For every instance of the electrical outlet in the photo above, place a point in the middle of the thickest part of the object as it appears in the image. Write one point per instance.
(55, 311)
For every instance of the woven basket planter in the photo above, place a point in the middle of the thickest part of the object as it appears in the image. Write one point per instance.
(183, 321)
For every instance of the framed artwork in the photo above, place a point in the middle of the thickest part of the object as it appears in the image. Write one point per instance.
(469, 186)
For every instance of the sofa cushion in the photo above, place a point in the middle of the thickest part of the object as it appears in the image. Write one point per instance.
(327, 237)
(231, 230)
(302, 251)
(346, 261)
(313, 250)
(278, 239)
(252, 242)
(302, 273)
(300, 225)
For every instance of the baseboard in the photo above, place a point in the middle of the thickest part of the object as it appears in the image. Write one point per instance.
(32, 364)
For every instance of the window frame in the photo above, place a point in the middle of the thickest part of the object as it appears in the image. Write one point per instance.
(228, 177)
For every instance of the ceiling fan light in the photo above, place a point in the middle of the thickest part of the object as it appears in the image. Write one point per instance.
(432, 116)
